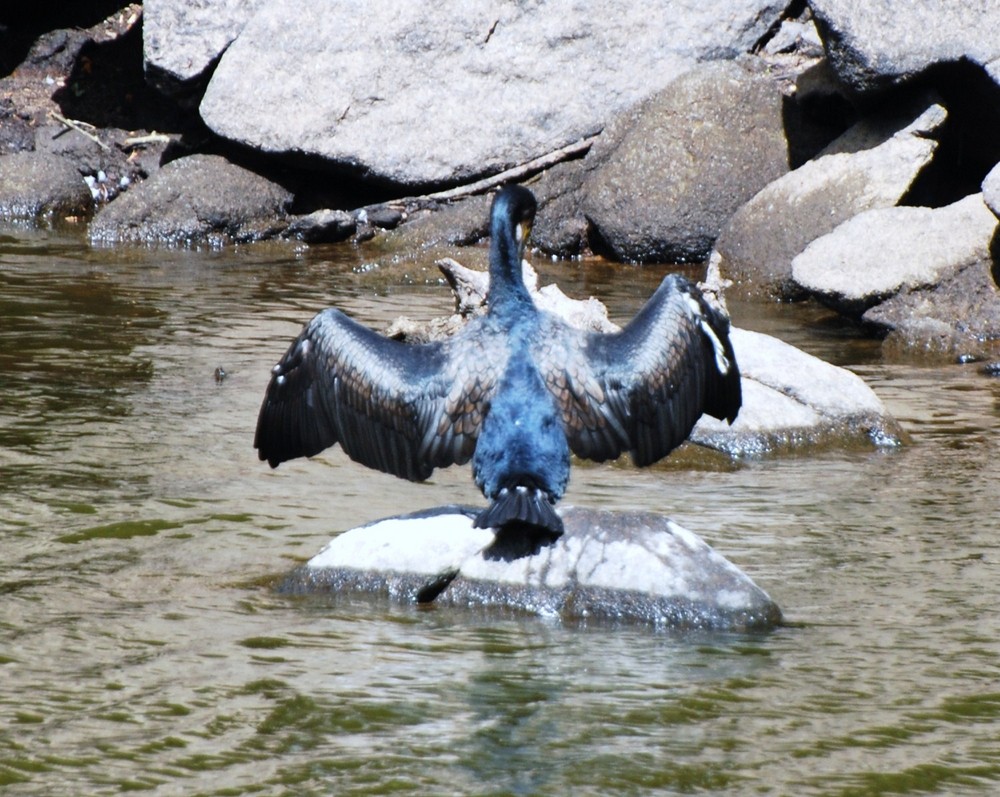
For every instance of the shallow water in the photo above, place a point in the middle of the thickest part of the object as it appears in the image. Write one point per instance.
(142, 647)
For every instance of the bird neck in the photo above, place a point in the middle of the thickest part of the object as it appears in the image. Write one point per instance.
(507, 286)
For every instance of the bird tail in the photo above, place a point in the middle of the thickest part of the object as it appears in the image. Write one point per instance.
(528, 505)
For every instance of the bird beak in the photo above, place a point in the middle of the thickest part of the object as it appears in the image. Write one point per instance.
(523, 230)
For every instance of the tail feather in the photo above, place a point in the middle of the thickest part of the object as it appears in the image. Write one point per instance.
(525, 504)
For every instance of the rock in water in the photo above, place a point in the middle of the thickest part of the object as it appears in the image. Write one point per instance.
(636, 567)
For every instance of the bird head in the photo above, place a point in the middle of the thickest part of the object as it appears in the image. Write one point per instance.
(512, 215)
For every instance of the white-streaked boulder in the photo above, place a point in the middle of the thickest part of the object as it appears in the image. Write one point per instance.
(608, 566)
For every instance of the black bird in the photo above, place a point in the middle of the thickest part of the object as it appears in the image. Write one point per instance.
(514, 391)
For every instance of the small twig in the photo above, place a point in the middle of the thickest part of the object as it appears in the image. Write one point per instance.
(78, 127)
(515, 173)
(151, 138)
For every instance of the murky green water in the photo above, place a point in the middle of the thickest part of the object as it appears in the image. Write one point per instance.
(141, 648)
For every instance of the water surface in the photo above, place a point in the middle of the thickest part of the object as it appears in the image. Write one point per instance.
(143, 649)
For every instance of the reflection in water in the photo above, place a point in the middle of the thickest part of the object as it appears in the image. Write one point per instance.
(142, 648)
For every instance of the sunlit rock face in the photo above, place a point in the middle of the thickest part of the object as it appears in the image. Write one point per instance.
(490, 85)
(618, 567)
(720, 129)
(876, 45)
(872, 165)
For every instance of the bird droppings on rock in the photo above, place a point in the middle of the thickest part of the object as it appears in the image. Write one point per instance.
(608, 567)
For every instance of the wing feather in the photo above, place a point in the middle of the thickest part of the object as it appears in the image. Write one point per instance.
(643, 389)
(401, 408)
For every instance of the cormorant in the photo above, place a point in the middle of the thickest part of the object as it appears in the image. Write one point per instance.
(515, 390)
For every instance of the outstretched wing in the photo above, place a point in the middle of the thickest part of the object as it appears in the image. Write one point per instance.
(401, 408)
(643, 389)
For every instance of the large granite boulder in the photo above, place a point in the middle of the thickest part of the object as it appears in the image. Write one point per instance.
(634, 567)
(878, 44)
(420, 94)
(198, 199)
(872, 165)
(41, 185)
(880, 252)
(183, 38)
(682, 163)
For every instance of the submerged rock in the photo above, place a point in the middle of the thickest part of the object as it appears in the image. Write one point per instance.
(792, 399)
(959, 316)
(608, 566)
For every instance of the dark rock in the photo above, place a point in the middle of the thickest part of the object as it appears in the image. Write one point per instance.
(39, 185)
(23, 25)
(322, 226)
(560, 226)
(618, 567)
(381, 216)
(107, 161)
(16, 131)
(459, 223)
(958, 316)
(87, 154)
(683, 162)
(57, 50)
(199, 199)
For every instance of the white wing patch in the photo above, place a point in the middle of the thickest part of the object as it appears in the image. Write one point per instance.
(721, 360)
